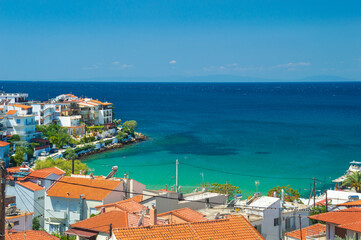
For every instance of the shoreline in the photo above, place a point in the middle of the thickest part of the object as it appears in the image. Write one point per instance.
(114, 146)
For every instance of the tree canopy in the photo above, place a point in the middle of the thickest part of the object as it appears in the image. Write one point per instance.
(56, 134)
(353, 181)
(70, 154)
(290, 193)
(19, 158)
(225, 188)
(65, 165)
(130, 126)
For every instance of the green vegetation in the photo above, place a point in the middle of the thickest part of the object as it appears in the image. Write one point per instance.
(87, 139)
(64, 236)
(36, 223)
(19, 158)
(70, 154)
(290, 193)
(129, 127)
(84, 148)
(117, 122)
(65, 165)
(14, 138)
(225, 188)
(317, 210)
(56, 134)
(94, 128)
(353, 181)
(121, 136)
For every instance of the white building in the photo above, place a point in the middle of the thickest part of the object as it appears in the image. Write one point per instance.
(277, 217)
(44, 113)
(21, 121)
(74, 198)
(73, 124)
(6, 98)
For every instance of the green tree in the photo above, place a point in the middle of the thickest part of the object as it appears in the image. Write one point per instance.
(36, 223)
(65, 165)
(56, 134)
(121, 135)
(318, 209)
(290, 193)
(70, 154)
(130, 126)
(353, 181)
(225, 188)
(19, 156)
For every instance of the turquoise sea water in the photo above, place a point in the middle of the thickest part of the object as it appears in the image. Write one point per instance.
(278, 132)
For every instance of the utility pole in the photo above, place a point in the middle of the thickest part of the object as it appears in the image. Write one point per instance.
(72, 166)
(2, 199)
(314, 193)
(300, 220)
(176, 175)
(326, 201)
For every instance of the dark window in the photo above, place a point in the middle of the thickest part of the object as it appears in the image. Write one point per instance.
(276, 222)
(16, 223)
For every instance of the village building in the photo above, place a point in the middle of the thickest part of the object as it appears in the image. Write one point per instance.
(313, 232)
(72, 199)
(29, 235)
(182, 215)
(4, 152)
(232, 228)
(342, 223)
(18, 220)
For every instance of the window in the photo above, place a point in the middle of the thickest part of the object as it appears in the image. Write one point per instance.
(259, 228)
(18, 121)
(39, 198)
(16, 223)
(276, 222)
(53, 228)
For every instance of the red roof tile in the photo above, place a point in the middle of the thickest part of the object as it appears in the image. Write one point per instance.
(11, 112)
(312, 230)
(22, 106)
(30, 235)
(128, 205)
(73, 187)
(186, 214)
(351, 204)
(118, 219)
(3, 144)
(234, 228)
(30, 185)
(354, 226)
(343, 216)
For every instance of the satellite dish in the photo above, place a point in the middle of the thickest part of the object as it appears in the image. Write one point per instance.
(217, 216)
(140, 222)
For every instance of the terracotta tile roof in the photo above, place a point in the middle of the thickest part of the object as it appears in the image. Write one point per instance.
(137, 198)
(30, 185)
(343, 216)
(30, 235)
(11, 112)
(22, 106)
(54, 170)
(3, 144)
(234, 228)
(186, 214)
(17, 216)
(99, 102)
(312, 230)
(73, 187)
(128, 205)
(350, 204)
(118, 219)
(355, 226)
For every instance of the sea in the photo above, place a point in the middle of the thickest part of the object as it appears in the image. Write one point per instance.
(253, 135)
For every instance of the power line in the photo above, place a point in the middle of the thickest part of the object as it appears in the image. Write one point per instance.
(244, 175)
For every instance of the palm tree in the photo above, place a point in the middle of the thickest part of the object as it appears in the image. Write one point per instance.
(353, 181)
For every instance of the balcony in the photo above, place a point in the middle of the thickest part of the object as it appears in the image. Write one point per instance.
(56, 214)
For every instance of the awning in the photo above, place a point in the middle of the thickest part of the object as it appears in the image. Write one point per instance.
(81, 233)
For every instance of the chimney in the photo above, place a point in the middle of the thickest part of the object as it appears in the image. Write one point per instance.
(153, 216)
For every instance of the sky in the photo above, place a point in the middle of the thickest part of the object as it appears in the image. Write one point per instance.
(160, 40)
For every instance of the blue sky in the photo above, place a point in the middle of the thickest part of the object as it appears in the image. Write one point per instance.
(281, 40)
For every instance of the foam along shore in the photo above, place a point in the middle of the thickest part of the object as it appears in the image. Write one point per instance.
(102, 147)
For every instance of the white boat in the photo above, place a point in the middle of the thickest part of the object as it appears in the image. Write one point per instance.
(354, 167)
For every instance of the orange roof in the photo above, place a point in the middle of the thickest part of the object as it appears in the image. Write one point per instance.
(312, 230)
(343, 216)
(11, 112)
(118, 219)
(73, 187)
(99, 102)
(355, 226)
(30, 235)
(350, 204)
(3, 144)
(47, 171)
(20, 215)
(186, 214)
(236, 227)
(30, 185)
(22, 106)
(128, 205)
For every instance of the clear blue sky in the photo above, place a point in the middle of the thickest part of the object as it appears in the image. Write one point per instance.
(285, 40)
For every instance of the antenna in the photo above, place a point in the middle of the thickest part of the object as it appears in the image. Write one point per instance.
(177, 177)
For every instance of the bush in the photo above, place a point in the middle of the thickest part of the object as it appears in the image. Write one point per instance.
(63, 164)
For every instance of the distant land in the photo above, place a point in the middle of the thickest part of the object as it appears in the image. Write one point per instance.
(204, 78)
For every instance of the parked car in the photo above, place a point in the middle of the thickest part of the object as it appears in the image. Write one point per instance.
(53, 150)
(66, 146)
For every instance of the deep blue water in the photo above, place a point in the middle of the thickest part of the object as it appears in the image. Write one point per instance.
(278, 130)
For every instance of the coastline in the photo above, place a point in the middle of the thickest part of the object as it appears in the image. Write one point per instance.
(140, 138)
